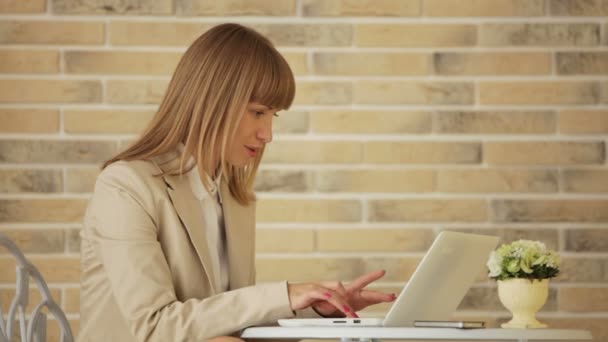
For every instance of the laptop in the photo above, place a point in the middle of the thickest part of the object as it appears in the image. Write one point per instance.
(437, 286)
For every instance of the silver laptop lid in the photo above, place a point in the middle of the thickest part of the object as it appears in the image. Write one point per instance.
(442, 278)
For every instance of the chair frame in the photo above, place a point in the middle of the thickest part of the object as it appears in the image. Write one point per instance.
(35, 331)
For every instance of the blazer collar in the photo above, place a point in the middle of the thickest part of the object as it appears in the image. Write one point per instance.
(239, 224)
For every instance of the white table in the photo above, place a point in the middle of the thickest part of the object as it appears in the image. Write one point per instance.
(375, 334)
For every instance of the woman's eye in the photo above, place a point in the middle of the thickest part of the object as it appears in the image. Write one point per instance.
(259, 113)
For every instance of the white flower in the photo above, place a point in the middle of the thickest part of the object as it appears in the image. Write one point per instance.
(494, 264)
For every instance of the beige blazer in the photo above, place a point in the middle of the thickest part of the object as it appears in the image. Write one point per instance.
(145, 267)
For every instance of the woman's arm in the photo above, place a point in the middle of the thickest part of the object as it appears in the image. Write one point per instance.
(125, 238)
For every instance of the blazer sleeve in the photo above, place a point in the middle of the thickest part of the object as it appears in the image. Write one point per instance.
(126, 244)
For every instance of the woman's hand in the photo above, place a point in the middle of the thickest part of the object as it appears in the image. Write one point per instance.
(302, 296)
(334, 299)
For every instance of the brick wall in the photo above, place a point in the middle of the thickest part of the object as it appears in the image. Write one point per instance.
(411, 116)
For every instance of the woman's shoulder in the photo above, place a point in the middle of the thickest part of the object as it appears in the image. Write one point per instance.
(132, 175)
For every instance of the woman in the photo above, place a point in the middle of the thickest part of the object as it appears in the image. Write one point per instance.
(168, 240)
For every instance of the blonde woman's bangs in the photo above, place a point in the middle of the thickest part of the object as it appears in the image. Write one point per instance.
(274, 81)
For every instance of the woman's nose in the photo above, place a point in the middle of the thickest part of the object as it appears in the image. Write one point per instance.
(265, 133)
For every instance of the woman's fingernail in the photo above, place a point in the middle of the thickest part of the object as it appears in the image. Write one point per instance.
(356, 316)
(346, 309)
(327, 294)
(394, 296)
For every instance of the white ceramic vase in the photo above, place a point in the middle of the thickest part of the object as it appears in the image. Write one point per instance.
(523, 298)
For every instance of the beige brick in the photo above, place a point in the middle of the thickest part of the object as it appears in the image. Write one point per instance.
(376, 181)
(55, 151)
(585, 181)
(182, 34)
(236, 7)
(486, 8)
(539, 93)
(121, 62)
(34, 298)
(550, 211)
(371, 122)
(20, 6)
(72, 239)
(427, 210)
(539, 34)
(578, 8)
(365, 8)
(597, 326)
(135, 91)
(106, 121)
(298, 62)
(52, 32)
(316, 152)
(49, 91)
(486, 299)
(374, 240)
(307, 210)
(71, 300)
(307, 34)
(371, 64)
(307, 269)
(583, 121)
(81, 179)
(582, 63)
(415, 35)
(549, 236)
(291, 122)
(587, 240)
(285, 240)
(36, 240)
(413, 92)
(30, 180)
(323, 93)
(492, 63)
(497, 181)
(29, 120)
(382, 152)
(583, 270)
(283, 181)
(42, 210)
(496, 122)
(398, 269)
(29, 61)
(134, 33)
(604, 85)
(331, 269)
(59, 269)
(54, 330)
(157, 7)
(544, 153)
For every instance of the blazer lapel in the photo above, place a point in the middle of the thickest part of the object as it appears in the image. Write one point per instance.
(189, 211)
(239, 223)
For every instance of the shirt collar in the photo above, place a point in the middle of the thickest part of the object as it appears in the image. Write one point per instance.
(198, 189)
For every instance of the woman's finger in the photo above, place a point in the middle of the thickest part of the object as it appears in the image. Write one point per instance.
(365, 280)
(374, 297)
(336, 286)
(333, 297)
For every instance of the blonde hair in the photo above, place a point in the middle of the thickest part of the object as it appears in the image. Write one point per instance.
(224, 69)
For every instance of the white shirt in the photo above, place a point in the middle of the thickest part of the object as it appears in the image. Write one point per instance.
(211, 209)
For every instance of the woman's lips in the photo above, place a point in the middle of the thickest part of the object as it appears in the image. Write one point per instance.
(252, 151)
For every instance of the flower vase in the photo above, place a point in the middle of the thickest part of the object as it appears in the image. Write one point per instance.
(523, 298)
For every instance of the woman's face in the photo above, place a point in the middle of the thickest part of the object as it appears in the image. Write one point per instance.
(254, 131)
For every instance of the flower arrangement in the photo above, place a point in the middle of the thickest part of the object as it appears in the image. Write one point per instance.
(523, 259)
